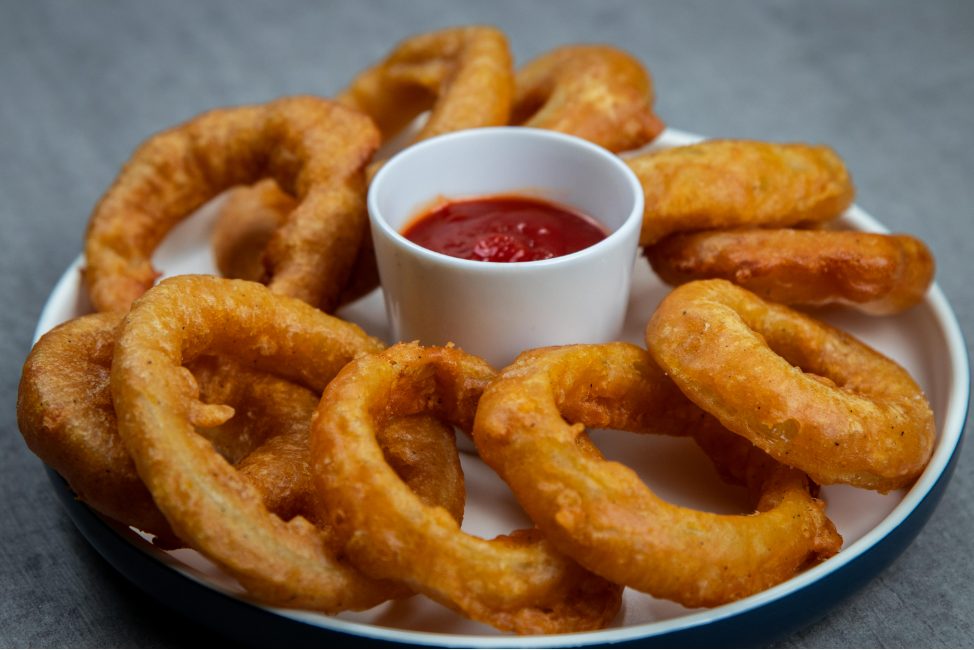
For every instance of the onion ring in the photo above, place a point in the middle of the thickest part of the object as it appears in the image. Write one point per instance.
(463, 74)
(828, 405)
(314, 148)
(602, 515)
(389, 533)
(595, 92)
(876, 274)
(739, 183)
(66, 415)
(247, 221)
(420, 448)
(207, 503)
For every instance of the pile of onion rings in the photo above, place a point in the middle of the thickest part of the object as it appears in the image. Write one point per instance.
(67, 418)
(157, 402)
(320, 469)
(390, 533)
(313, 148)
(602, 515)
(731, 209)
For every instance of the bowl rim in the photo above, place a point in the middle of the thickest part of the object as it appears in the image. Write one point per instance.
(617, 237)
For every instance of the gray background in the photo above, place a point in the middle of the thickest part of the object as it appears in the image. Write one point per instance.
(889, 85)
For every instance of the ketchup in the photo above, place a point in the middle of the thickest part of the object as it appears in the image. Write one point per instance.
(504, 229)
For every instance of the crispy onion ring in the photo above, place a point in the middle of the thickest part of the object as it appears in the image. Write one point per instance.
(247, 221)
(809, 395)
(420, 448)
(389, 533)
(463, 75)
(602, 515)
(739, 183)
(595, 92)
(207, 503)
(66, 415)
(314, 148)
(876, 274)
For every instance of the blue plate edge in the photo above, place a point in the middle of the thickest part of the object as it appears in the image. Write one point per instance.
(252, 625)
(805, 606)
(236, 619)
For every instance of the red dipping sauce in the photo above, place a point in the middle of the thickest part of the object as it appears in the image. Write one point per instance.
(504, 229)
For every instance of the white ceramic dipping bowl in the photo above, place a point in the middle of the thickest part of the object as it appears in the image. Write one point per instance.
(497, 310)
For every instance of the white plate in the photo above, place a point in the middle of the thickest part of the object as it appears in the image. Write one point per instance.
(926, 340)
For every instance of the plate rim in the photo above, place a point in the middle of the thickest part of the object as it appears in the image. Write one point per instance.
(943, 459)
(97, 529)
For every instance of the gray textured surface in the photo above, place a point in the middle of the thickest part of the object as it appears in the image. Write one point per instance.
(889, 85)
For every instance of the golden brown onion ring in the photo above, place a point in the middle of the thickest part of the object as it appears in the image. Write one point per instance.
(463, 74)
(739, 183)
(602, 515)
(516, 583)
(207, 503)
(809, 395)
(595, 92)
(67, 418)
(420, 448)
(247, 221)
(268, 439)
(876, 274)
(66, 415)
(314, 148)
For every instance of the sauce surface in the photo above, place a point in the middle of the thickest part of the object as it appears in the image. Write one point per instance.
(504, 229)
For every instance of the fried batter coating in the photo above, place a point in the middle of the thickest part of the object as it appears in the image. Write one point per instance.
(315, 149)
(876, 274)
(420, 448)
(207, 502)
(595, 92)
(463, 74)
(739, 183)
(65, 413)
(603, 516)
(428, 464)
(517, 583)
(365, 271)
(809, 395)
(248, 220)
(67, 418)
(245, 224)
